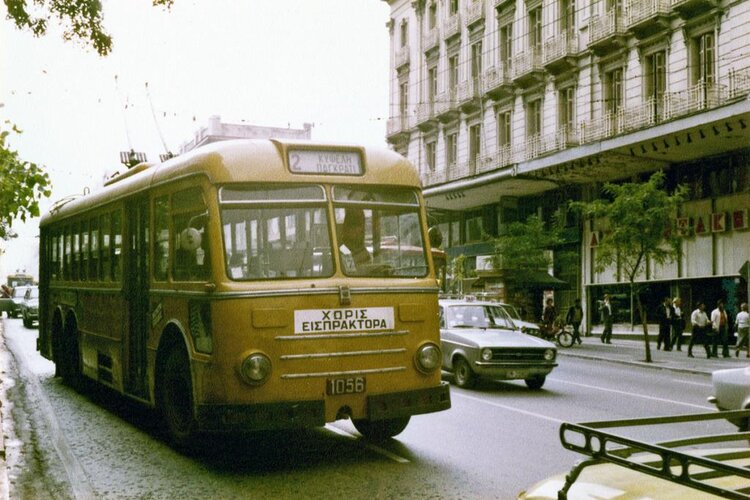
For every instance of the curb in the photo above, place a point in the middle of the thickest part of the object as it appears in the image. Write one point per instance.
(4, 482)
(652, 365)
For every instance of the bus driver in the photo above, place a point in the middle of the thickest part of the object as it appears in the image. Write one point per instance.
(352, 238)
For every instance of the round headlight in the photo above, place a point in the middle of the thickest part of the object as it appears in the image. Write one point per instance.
(486, 354)
(255, 369)
(428, 358)
(549, 354)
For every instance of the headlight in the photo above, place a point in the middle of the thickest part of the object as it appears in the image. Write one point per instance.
(255, 369)
(549, 354)
(486, 354)
(428, 358)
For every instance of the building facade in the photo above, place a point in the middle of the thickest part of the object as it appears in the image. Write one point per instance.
(514, 107)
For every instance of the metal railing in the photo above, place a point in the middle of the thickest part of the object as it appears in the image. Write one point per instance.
(402, 56)
(699, 97)
(640, 10)
(469, 90)
(398, 124)
(642, 115)
(446, 101)
(559, 46)
(527, 61)
(451, 26)
(739, 82)
(475, 12)
(431, 39)
(425, 112)
(496, 76)
(605, 26)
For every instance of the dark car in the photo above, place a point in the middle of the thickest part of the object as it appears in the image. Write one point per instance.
(479, 339)
(30, 306)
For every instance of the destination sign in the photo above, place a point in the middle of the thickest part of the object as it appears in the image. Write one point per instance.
(362, 319)
(325, 162)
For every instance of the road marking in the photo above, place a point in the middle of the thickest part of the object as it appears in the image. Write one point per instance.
(701, 384)
(642, 396)
(509, 408)
(370, 446)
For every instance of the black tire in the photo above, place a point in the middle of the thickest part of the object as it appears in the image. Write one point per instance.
(380, 430)
(463, 374)
(565, 339)
(535, 382)
(176, 400)
(70, 366)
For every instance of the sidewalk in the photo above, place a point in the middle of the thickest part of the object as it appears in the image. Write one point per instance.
(628, 347)
(4, 483)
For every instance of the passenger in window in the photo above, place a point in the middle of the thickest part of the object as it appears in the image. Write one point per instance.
(352, 237)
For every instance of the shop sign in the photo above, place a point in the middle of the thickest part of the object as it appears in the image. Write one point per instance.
(719, 222)
(684, 226)
(700, 225)
(740, 219)
(596, 237)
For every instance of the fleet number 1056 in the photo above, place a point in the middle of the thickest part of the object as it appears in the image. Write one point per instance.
(348, 385)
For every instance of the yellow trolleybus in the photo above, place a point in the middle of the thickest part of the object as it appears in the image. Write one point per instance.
(250, 285)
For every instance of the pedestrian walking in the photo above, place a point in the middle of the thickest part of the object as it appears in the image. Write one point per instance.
(742, 324)
(719, 325)
(549, 315)
(664, 315)
(700, 328)
(607, 318)
(574, 318)
(678, 324)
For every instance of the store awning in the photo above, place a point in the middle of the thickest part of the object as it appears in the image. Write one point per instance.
(525, 278)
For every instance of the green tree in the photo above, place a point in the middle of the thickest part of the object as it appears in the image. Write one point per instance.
(22, 184)
(640, 220)
(81, 20)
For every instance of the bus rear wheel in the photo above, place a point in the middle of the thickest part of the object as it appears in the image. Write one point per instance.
(70, 366)
(380, 430)
(176, 400)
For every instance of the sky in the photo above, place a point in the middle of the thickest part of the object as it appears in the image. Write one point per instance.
(262, 62)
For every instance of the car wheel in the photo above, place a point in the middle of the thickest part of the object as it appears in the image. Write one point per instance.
(535, 382)
(176, 399)
(26, 321)
(463, 374)
(380, 430)
(565, 339)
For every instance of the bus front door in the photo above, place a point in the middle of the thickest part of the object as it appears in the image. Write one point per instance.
(137, 297)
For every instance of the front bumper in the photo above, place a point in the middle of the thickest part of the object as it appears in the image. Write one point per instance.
(511, 371)
(300, 414)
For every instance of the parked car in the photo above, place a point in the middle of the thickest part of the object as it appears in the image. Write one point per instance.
(732, 392)
(30, 306)
(480, 340)
(525, 326)
(17, 296)
(6, 302)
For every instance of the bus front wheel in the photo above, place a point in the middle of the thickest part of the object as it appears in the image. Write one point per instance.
(176, 396)
(380, 430)
(70, 366)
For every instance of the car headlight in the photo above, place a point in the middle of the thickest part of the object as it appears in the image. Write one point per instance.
(428, 358)
(255, 369)
(549, 354)
(486, 354)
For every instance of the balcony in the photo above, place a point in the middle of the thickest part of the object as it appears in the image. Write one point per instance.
(606, 32)
(739, 83)
(497, 83)
(469, 95)
(475, 13)
(643, 115)
(446, 106)
(646, 17)
(697, 98)
(527, 67)
(461, 170)
(560, 53)
(451, 27)
(432, 177)
(501, 158)
(688, 9)
(398, 128)
(430, 40)
(600, 128)
(503, 4)
(402, 56)
(426, 116)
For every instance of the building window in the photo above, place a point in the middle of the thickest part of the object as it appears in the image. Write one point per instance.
(534, 117)
(656, 80)
(476, 60)
(506, 43)
(503, 128)
(474, 228)
(475, 143)
(453, 71)
(613, 90)
(567, 16)
(566, 108)
(432, 15)
(451, 148)
(453, 7)
(432, 83)
(704, 50)
(403, 96)
(404, 33)
(535, 28)
(430, 150)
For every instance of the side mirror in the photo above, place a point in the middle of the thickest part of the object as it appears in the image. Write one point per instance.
(436, 237)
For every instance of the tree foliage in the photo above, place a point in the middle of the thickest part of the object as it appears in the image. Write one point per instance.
(640, 218)
(524, 247)
(22, 184)
(81, 20)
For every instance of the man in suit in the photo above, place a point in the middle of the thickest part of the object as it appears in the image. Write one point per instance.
(664, 315)
(607, 318)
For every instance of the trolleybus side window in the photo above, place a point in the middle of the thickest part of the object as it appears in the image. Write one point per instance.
(161, 238)
(189, 218)
(275, 232)
(68, 259)
(106, 247)
(84, 250)
(76, 229)
(94, 260)
(116, 245)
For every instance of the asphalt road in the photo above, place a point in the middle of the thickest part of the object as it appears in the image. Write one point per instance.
(496, 440)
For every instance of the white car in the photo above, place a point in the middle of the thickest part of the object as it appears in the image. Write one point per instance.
(732, 392)
(525, 326)
(479, 339)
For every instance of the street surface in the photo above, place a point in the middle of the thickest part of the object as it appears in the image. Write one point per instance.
(496, 440)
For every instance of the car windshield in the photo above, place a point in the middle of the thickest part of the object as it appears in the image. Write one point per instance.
(32, 293)
(477, 316)
(512, 312)
(19, 291)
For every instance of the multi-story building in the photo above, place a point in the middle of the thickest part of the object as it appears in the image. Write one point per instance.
(513, 107)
